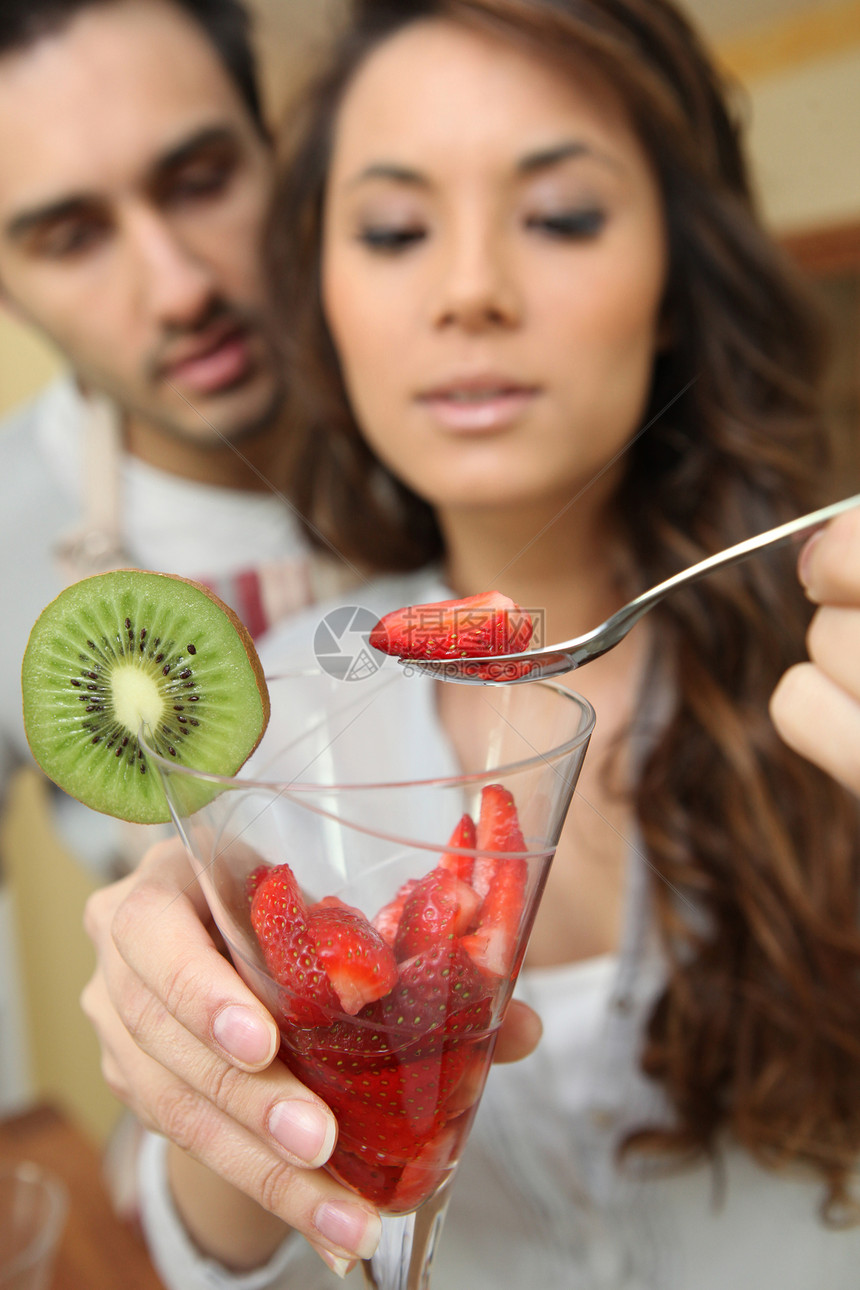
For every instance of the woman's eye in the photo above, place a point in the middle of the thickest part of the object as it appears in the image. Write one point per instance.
(391, 239)
(569, 224)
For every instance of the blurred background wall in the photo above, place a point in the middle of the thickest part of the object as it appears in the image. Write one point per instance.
(798, 63)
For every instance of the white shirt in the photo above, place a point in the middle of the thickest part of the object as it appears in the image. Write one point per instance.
(540, 1200)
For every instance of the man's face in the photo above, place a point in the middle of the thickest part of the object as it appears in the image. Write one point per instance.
(133, 192)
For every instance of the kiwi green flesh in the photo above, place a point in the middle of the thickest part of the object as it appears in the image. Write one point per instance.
(128, 647)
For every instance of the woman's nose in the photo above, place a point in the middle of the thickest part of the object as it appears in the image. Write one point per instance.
(477, 287)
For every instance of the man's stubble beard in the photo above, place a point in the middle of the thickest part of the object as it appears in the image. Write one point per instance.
(210, 434)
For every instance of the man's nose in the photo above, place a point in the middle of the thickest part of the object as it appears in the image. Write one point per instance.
(175, 284)
(477, 288)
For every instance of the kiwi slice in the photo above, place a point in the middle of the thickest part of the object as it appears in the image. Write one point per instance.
(128, 649)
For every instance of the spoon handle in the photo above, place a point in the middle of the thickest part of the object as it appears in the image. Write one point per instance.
(608, 634)
(555, 660)
(799, 527)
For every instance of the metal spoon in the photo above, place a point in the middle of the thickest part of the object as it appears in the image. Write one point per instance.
(530, 665)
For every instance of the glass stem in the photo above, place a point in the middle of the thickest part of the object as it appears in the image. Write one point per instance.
(405, 1252)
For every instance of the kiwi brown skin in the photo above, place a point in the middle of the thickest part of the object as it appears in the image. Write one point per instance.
(119, 640)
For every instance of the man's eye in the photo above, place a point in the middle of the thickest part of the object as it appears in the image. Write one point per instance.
(207, 181)
(573, 225)
(381, 238)
(67, 241)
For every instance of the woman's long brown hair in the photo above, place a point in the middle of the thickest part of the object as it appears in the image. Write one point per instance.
(758, 1029)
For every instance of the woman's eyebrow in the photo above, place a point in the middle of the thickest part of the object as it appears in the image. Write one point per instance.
(545, 158)
(391, 172)
(541, 159)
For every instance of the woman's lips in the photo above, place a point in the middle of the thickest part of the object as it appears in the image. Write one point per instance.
(214, 369)
(473, 407)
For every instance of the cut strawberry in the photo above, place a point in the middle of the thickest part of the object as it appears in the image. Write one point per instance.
(423, 1174)
(401, 1106)
(398, 1188)
(327, 959)
(474, 627)
(357, 961)
(387, 921)
(402, 1071)
(375, 1182)
(498, 830)
(347, 1047)
(408, 1090)
(279, 918)
(482, 875)
(467, 1093)
(440, 992)
(463, 837)
(498, 824)
(501, 881)
(439, 908)
(493, 944)
(253, 880)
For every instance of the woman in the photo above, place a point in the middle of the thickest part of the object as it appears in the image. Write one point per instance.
(539, 341)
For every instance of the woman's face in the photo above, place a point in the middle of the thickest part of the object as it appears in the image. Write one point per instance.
(494, 263)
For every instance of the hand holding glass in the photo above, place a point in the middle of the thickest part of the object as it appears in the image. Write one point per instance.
(361, 788)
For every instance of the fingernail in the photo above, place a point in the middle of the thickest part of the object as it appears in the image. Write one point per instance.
(303, 1129)
(340, 1267)
(348, 1227)
(244, 1035)
(804, 565)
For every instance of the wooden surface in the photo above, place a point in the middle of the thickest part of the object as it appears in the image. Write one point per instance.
(98, 1251)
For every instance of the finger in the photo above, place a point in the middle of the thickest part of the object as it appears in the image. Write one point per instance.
(834, 645)
(189, 976)
(113, 1039)
(272, 1104)
(333, 1218)
(821, 721)
(829, 565)
(311, 1201)
(520, 1033)
(338, 1265)
(339, 1227)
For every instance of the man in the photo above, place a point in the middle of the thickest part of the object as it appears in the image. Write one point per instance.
(135, 173)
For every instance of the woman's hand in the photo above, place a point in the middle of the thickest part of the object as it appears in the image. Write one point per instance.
(816, 706)
(190, 1049)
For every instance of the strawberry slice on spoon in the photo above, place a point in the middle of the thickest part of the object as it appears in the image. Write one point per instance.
(473, 627)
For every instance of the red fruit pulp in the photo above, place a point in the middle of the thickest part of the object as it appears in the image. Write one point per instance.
(392, 1021)
(403, 1117)
(474, 627)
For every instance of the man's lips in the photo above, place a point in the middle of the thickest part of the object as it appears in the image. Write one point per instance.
(484, 403)
(216, 361)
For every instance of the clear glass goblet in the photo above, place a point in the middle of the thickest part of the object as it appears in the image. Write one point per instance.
(33, 1208)
(361, 788)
